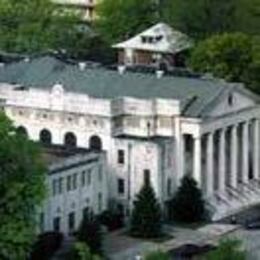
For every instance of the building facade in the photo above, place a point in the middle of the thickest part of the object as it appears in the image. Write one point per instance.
(76, 184)
(157, 46)
(153, 127)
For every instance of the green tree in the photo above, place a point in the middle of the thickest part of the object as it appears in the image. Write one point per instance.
(232, 56)
(146, 214)
(120, 19)
(201, 18)
(227, 250)
(21, 191)
(188, 206)
(81, 251)
(32, 26)
(90, 233)
(157, 255)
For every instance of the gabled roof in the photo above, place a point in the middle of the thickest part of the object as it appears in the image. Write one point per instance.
(44, 72)
(165, 40)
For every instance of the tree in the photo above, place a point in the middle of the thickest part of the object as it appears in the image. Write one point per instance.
(187, 206)
(81, 251)
(32, 26)
(21, 191)
(119, 19)
(157, 255)
(146, 214)
(201, 18)
(233, 56)
(90, 233)
(227, 250)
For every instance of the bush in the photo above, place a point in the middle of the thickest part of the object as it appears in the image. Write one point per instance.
(157, 255)
(81, 251)
(112, 220)
(46, 245)
(90, 233)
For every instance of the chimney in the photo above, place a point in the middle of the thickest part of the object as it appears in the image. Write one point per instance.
(159, 74)
(121, 69)
(82, 65)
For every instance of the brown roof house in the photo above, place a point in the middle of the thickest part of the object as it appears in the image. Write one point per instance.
(158, 45)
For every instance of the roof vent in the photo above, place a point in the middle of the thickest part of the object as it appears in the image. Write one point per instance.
(2, 64)
(82, 65)
(159, 74)
(121, 69)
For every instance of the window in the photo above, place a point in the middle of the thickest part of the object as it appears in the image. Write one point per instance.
(60, 184)
(100, 173)
(230, 99)
(71, 221)
(100, 202)
(121, 186)
(83, 178)
(85, 212)
(42, 218)
(121, 157)
(53, 187)
(169, 187)
(69, 183)
(147, 176)
(56, 224)
(74, 181)
(89, 177)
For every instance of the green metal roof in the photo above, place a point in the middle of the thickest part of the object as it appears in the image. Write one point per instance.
(44, 72)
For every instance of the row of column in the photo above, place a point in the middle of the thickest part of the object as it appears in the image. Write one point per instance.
(239, 150)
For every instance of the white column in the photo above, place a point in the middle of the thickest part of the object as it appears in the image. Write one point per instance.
(197, 160)
(222, 161)
(245, 155)
(256, 149)
(234, 157)
(209, 165)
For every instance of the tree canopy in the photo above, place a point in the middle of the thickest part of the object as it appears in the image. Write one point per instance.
(120, 19)
(21, 191)
(232, 56)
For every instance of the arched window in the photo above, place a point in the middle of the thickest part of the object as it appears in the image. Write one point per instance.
(45, 136)
(95, 143)
(70, 140)
(22, 131)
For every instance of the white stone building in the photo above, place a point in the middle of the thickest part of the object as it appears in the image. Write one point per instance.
(76, 183)
(151, 125)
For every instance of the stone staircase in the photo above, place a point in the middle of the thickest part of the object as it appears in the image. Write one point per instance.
(234, 200)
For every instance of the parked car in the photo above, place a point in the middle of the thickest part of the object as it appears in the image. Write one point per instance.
(253, 225)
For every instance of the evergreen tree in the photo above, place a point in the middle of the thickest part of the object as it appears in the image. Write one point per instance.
(90, 233)
(146, 215)
(187, 206)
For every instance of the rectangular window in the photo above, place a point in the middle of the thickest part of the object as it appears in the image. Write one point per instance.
(53, 187)
(100, 206)
(71, 222)
(83, 178)
(89, 177)
(56, 224)
(147, 176)
(100, 173)
(74, 181)
(85, 212)
(42, 221)
(121, 157)
(121, 186)
(169, 187)
(60, 184)
(69, 183)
